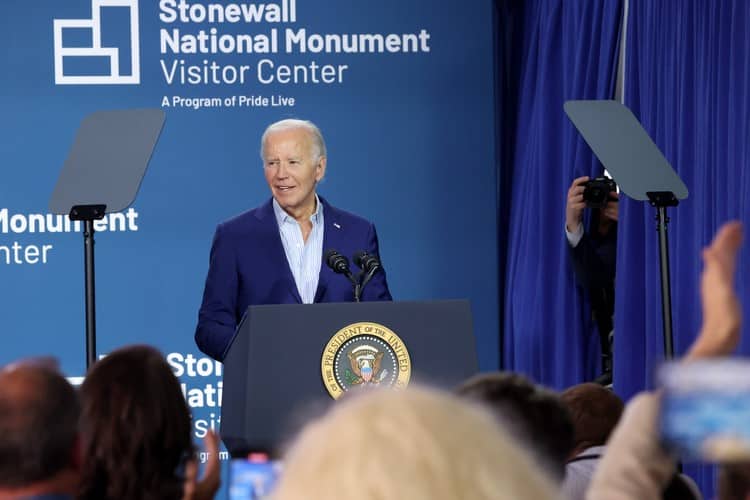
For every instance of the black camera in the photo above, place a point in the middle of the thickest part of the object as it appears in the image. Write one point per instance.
(596, 191)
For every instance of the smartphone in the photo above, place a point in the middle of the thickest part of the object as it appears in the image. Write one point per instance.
(253, 478)
(705, 410)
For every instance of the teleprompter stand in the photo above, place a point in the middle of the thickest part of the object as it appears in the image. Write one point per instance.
(102, 174)
(88, 214)
(640, 169)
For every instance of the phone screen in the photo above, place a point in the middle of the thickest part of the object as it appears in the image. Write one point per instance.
(253, 478)
(705, 411)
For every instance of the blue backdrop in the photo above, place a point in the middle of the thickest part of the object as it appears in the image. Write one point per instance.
(411, 146)
(687, 81)
(415, 144)
(553, 51)
(410, 137)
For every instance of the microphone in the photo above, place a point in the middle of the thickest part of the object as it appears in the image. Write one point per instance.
(337, 262)
(340, 265)
(368, 263)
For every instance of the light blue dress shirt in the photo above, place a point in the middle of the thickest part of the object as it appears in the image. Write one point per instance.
(304, 258)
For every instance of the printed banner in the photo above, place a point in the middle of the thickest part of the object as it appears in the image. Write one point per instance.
(401, 89)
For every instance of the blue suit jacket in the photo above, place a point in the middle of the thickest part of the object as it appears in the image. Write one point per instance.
(248, 266)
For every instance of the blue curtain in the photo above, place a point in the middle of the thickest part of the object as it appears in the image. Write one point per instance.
(550, 51)
(688, 81)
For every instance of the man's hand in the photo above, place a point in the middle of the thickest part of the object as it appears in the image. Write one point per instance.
(611, 210)
(722, 314)
(575, 205)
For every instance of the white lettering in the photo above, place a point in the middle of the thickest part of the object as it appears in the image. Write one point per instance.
(51, 223)
(17, 253)
(369, 43)
(189, 365)
(184, 12)
(174, 359)
(300, 73)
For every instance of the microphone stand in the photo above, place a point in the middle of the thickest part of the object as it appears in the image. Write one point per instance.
(368, 275)
(355, 285)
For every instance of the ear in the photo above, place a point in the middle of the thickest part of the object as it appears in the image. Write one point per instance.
(320, 169)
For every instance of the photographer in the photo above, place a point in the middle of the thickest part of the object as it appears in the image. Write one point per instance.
(594, 254)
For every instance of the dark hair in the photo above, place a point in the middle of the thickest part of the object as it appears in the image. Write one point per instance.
(595, 411)
(734, 481)
(682, 487)
(533, 412)
(38, 417)
(135, 426)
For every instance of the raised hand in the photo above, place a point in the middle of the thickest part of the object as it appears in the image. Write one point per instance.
(208, 485)
(722, 314)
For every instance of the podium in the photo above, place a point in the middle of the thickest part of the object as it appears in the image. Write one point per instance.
(287, 362)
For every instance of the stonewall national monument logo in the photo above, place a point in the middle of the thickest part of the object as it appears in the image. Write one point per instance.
(364, 355)
(102, 50)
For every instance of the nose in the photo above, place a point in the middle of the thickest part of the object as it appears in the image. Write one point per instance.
(282, 171)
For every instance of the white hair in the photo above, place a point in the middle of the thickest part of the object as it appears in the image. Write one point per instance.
(291, 123)
(420, 444)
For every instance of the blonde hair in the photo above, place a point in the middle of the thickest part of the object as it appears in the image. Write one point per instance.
(420, 444)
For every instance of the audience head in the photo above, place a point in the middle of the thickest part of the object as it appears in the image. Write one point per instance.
(135, 427)
(419, 443)
(595, 411)
(38, 439)
(534, 414)
(681, 487)
(734, 481)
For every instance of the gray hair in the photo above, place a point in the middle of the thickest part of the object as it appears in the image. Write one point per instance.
(291, 123)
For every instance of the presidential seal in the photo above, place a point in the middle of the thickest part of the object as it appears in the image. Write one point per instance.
(364, 355)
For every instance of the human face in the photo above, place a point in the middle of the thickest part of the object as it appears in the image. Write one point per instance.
(292, 170)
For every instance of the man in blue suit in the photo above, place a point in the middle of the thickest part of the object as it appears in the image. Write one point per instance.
(273, 254)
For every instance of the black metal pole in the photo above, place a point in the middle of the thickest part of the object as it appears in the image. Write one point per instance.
(88, 249)
(666, 297)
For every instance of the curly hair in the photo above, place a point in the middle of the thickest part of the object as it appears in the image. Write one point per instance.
(135, 427)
